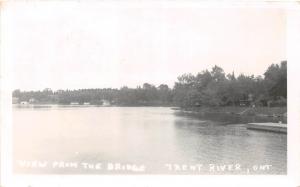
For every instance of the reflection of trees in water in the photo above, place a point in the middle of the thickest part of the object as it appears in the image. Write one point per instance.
(227, 118)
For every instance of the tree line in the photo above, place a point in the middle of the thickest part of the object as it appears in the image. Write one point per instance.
(207, 88)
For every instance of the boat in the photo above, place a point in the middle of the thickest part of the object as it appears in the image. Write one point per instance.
(272, 127)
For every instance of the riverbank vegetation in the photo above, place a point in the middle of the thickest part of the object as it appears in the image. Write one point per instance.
(215, 88)
(208, 88)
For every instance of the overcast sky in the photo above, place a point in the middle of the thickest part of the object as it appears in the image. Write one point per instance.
(91, 45)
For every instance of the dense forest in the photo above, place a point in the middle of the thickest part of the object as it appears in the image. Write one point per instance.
(207, 88)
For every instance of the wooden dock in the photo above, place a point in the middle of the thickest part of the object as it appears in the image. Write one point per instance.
(272, 127)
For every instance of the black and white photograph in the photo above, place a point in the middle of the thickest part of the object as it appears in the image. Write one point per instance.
(164, 88)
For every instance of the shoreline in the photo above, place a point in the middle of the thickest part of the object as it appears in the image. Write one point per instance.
(224, 114)
(237, 114)
(49, 105)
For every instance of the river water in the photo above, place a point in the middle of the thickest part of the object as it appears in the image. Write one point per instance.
(139, 140)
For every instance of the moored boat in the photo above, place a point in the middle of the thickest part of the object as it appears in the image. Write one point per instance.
(272, 127)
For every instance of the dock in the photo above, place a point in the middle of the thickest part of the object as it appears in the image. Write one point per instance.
(272, 127)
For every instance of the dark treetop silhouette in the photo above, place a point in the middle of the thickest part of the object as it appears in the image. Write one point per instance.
(207, 88)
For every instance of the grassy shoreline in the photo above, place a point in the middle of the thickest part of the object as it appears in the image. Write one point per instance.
(237, 114)
(237, 110)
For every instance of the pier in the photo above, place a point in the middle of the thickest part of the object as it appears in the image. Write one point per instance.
(272, 127)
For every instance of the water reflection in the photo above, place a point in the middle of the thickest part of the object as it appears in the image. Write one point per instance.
(152, 136)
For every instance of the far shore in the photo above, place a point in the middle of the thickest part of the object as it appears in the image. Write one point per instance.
(89, 105)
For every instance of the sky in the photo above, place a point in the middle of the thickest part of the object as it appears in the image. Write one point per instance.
(97, 45)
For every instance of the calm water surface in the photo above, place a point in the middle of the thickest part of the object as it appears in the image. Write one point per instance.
(149, 137)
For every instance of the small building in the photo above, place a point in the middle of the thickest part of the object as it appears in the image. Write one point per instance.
(15, 100)
(74, 103)
(32, 100)
(24, 103)
(86, 103)
(244, 102)
(105, 102)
